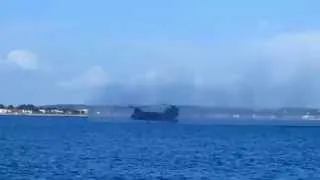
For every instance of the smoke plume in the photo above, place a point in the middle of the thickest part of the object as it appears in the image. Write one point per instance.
(279, 71)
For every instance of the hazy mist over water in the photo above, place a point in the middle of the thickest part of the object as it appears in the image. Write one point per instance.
(283, 71)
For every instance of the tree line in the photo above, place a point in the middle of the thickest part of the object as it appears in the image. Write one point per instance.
(31, 107)
(22, 106)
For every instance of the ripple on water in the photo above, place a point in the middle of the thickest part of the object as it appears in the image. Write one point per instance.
(64, 149)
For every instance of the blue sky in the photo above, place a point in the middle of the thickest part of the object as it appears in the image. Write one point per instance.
(223, 52)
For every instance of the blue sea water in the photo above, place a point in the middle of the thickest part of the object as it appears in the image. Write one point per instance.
(74, 148)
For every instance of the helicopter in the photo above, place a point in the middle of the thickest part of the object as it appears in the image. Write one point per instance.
(170, 114)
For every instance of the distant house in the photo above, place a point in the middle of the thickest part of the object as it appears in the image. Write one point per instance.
(57, 111)
(4, 111)
(83, 111)
(26, 111)
(43, 111)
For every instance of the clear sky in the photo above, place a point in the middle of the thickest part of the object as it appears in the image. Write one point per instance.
(227, 52)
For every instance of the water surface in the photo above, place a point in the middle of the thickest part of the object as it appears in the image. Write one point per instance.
(74, 148)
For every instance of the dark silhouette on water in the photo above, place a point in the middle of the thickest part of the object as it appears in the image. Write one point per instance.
(170, 114)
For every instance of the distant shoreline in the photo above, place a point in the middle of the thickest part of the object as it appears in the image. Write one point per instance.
(221, 118)
(47, 115)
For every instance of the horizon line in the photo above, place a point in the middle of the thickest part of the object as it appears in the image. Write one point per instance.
(164, 104)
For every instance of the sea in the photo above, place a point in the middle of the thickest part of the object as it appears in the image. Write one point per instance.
(66, 148)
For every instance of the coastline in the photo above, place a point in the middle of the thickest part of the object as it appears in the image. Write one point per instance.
(185, 119)
(47, 115)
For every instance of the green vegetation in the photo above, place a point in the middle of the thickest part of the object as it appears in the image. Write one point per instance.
(32, 109)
